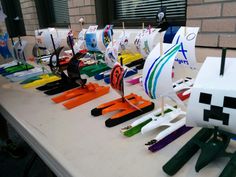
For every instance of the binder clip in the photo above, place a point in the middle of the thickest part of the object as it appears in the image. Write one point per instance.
(78, 96)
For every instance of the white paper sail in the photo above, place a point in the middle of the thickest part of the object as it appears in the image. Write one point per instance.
(137, 40)
(124, 41)
(47, 41)
(186, 37)
(146, 40)
(213, 97)
(111, 54)
(91, 38)
(80, 44)
(112, 50)
(157, 80)
(20, 49)
(100, 44)
(2, 14)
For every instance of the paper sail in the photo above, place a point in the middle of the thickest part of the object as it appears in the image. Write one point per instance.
(157, 80)
(80, 44)
(148, 41)
(124, 41)
(4, 50)
(107, 35)
(186, 37)
(91, 38)
(70, 39)
(111, 54)
(116, 78)
(2, 14)
(14, 50)
(20, 51)
(39, 39)
(47, 41)
(213, 97)
(137, 41)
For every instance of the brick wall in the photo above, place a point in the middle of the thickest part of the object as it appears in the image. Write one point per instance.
(217, 22)
(30, 16)
(81, 8)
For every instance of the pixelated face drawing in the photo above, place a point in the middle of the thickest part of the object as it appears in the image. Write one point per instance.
(216, 112)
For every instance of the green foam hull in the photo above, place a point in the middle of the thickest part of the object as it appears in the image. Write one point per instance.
(18, 68)
(94, 69)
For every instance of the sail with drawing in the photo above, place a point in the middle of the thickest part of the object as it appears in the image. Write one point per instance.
(158, 84)
(128, 106)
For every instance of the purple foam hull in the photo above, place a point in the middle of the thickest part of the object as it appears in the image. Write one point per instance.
(133, 81)
(168, 139)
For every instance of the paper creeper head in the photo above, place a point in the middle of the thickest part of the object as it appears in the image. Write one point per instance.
(216, 112)
(213, 97)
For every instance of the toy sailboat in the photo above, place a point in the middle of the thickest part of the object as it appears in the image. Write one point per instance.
(157, 82)
(66, 82)
(96, 42)
(49, 40)
(180, 87)
(46, 78)
(116, 50)
(128, 106)
(19, 56)
(144, 42)
(82, 92)
(28, 74)
(211, 105)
